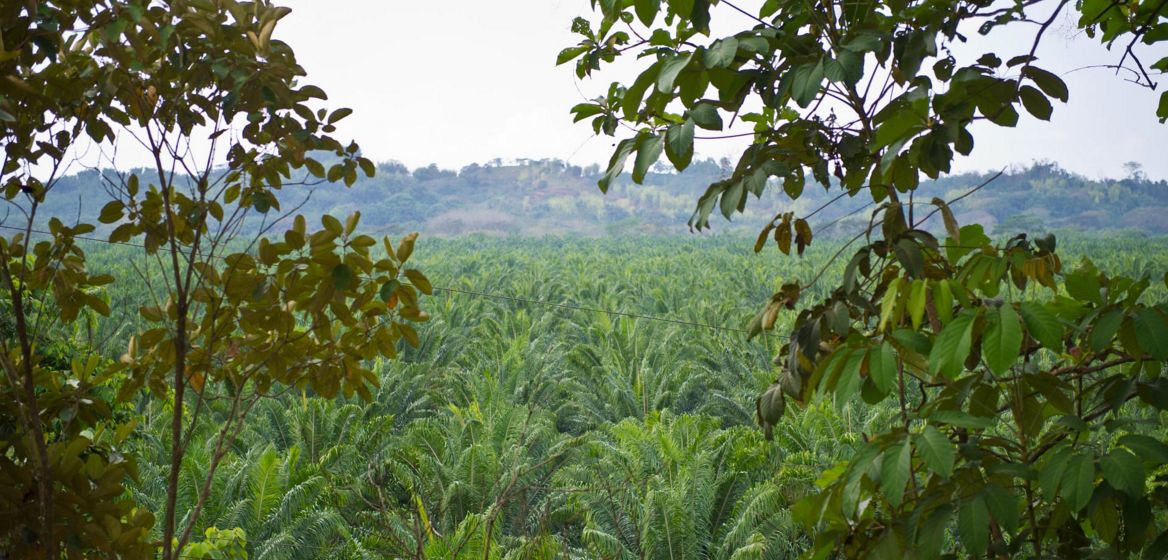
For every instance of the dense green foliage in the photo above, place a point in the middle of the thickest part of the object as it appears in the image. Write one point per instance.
(527, 430)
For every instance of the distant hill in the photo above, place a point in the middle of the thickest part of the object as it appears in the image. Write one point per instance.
(536, 197)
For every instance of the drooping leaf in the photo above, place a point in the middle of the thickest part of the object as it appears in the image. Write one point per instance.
(882, 366)
(706, 116)
(669, 71)
(1043, 325)
(1124, 471)
(649, 148)
(679, 144)
(952, 346)
(1036, 103)
(647, 10)
(1003, 506)
(616, 165)
(1152, 332)
(1002, 343)
(1048, 82)
(419, 281)
(973, 525)
(895, 469)
(937, 452)
(1078, 480)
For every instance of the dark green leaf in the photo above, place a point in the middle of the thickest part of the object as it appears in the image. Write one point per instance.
(669, 72)
(647, 10)
(679, 144)
(1105, 328)
(343, 277)
(882, 366)
(1036, 103)
(952, 346)
(683, 8)
(973, 525)
(936, 450)
(1049, 83)
(388, 288)
(1124, 471)
(909, 254)
(1147, 448)
(895, 470)
(1083, 285)
(806, 82)
(649, 148)
(706, 116)
(1078, 481)
(1003, 505)
(1002, 342)
(1152, 332)
(111, 212)
(1043, 325)
(961, 419)
(721, 53)
(732, 198)
(616, 165)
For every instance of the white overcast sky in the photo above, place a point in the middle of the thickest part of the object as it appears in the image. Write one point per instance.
(460, 81)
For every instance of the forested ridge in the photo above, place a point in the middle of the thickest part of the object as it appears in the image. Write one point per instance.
(536, 197)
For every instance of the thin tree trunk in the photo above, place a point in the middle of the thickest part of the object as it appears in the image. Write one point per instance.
(32, 421)
(176, 429)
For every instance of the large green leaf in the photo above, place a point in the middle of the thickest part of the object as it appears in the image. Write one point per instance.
(882, 366)
(679, 144)
(705, 115)
(616, 165)
(1050, 476)
(343, 277)
(1152, 332)
(936, 451)
(1003, 505)
(1124, 471)
(669, 72)
(1042, 325)
(895, 469)
(973, 525)
(1035, 102)
(649, 148)
(1146, 447)
(1083, 285)
(683, 8)
(647, 10)
(806, 82)
(1105, 328)
(952, 346)
(1002, 342)
(1078, 481)
(721, 53)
